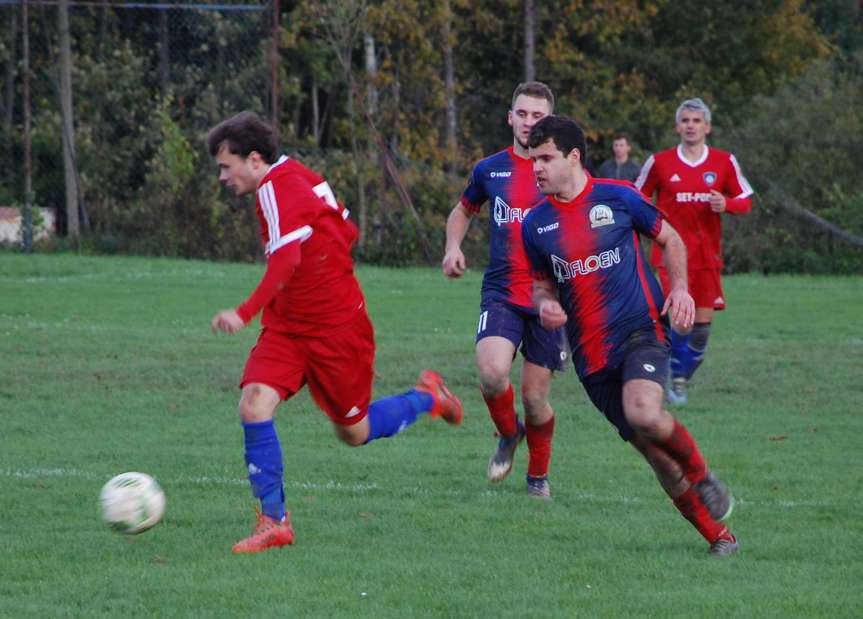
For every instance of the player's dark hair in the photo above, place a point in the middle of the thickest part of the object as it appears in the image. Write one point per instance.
(563, 131)
(242, 134)
(620, 135)
(537, 90)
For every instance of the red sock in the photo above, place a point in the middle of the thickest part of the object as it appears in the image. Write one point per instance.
(539, 446)
(683, 450)
(693, 509)
(502, 411)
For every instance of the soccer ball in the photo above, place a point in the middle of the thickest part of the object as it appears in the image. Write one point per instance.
(132, 503)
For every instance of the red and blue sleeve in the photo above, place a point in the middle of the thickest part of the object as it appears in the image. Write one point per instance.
(474, 195)
(646, 218)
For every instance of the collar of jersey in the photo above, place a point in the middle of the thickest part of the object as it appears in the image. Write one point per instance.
(692, 164)
(588, 187)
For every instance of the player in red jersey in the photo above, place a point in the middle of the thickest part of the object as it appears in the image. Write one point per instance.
(508, 320)
(694, 184)
(315, 330)
(582, 243)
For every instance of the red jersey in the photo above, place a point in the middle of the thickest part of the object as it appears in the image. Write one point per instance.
(683, 196)
(300, 218)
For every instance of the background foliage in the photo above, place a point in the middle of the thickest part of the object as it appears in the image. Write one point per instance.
(362, 95)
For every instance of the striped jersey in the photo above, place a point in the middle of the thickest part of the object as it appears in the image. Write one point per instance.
(506, 181)
(683, 189)
(589, 247)
(296, 205)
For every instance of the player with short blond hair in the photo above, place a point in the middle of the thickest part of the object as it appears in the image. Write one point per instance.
(507, 318)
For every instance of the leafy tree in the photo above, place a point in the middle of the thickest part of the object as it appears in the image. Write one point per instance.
(801, 149)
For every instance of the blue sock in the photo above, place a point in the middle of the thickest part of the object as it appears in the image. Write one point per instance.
(391, 415)
(264, 460)
(681, 356)
(697, 345)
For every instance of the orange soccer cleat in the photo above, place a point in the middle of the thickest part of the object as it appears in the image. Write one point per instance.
(268, 533)
(446, 404)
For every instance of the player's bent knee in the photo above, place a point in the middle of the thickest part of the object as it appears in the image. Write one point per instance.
(536, 406)
(644, 419)
(352, 436)
(493, 382)
(257, 404)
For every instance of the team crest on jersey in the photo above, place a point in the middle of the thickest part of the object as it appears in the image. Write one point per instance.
(709, 177)
(601, 215)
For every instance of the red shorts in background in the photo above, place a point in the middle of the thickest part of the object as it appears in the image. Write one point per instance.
(705, 286)
(338, 368)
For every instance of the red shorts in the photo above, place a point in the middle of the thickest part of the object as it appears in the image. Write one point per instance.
(705, 286)
(338, 368)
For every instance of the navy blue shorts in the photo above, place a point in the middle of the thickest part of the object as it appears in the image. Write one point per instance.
(644, 356)
(548, 349)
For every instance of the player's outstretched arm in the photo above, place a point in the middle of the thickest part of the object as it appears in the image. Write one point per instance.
(280, 268)
(551, 313)
(457, 223)
(678, 302)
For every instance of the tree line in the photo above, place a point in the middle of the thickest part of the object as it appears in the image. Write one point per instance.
(394, 100)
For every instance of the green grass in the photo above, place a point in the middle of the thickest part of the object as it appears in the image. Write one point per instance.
(108, 365)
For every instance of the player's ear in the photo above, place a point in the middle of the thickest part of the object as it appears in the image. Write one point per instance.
(255, 159)
(509, 118)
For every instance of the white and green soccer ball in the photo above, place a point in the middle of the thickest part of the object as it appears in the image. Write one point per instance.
(132, 503)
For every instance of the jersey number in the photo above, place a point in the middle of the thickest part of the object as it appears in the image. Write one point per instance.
(483, 322)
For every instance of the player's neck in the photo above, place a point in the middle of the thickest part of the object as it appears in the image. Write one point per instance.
(693, 152)
(621, 161)
(573, 189)
(519, 150)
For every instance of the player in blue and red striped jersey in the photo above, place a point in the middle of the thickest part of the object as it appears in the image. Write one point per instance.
(591, 276)
(694, 184)
(315, 328)
(507, 318)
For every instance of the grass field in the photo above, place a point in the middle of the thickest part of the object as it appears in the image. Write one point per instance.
(108, 365)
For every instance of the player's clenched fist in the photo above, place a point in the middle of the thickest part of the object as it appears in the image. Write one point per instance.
(227, 321)
(551, 314)
(454, 263)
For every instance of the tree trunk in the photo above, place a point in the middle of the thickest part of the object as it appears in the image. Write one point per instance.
(274, 68)
(371, 62)
(316, 113)
(26, 216)
(362, 214)
(11, 62)
(449, 79)
(70, 174)
(529, 41)
(164, 53)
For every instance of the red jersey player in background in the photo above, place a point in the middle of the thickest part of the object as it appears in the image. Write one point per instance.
(694, 185)
(507, 317)
(315, 330)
